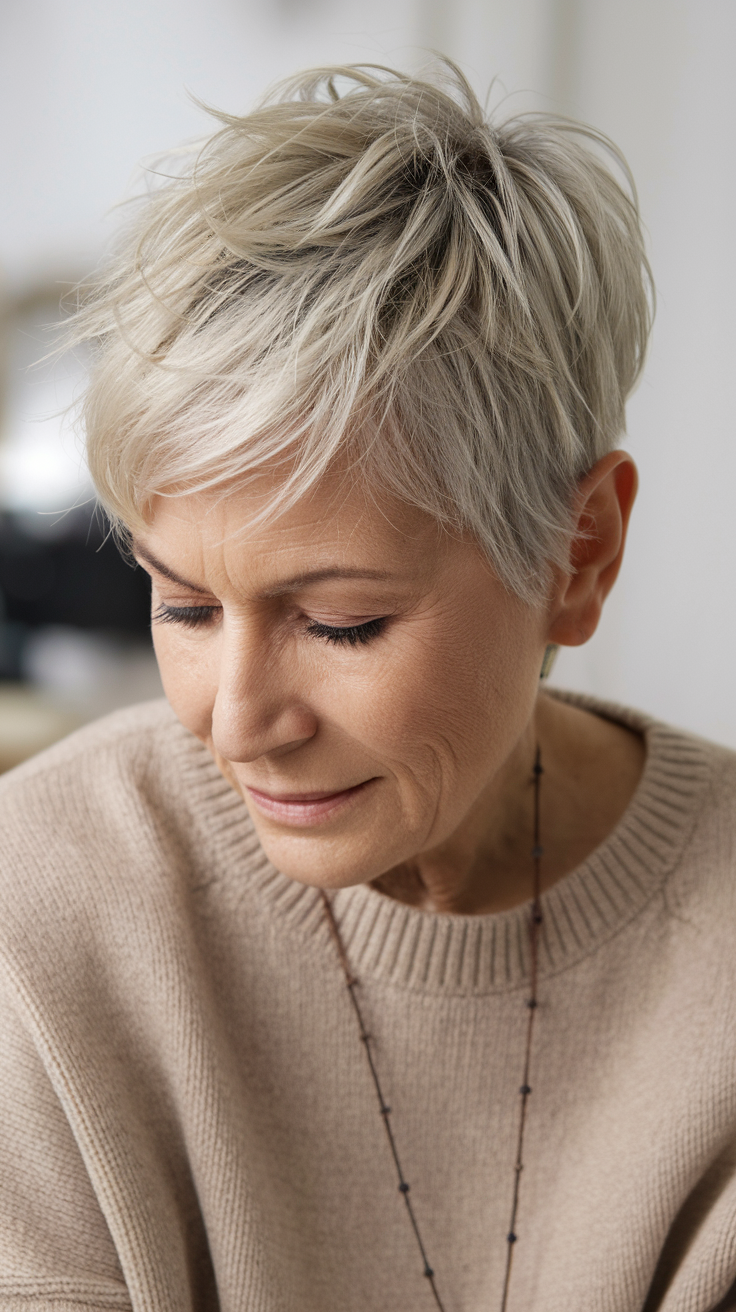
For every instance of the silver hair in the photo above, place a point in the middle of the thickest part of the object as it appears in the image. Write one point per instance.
(367, 272)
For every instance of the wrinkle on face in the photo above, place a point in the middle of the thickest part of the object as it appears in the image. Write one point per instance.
(435, 712)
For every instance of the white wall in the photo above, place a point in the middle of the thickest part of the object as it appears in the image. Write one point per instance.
(658, 77)
(86, 89)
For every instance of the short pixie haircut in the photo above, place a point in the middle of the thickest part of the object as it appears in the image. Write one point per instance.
(366, 273)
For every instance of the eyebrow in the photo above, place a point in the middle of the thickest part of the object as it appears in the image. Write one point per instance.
(167, 573)
(293, 584)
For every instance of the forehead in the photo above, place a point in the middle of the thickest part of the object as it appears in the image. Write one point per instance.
(243, 532)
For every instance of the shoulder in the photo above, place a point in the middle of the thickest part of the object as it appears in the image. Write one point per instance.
(124, 760)
(122, 731)
(682, 817)
(704, 885)
(699, 773)
(106, 829)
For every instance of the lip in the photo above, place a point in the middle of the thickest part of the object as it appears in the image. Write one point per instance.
(304, 809)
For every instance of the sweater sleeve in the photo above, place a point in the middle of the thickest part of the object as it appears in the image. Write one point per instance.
(56, 1252)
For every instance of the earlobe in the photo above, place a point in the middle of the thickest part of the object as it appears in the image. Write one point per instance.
(605, 498)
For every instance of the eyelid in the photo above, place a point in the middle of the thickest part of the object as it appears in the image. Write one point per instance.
(169, 595)
(342, 621)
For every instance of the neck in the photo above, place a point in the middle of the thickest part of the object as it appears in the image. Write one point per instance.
(592, 767)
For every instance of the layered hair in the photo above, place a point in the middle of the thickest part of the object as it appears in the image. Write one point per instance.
(368, 273)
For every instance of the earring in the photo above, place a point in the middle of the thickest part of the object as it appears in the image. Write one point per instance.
(550, 656)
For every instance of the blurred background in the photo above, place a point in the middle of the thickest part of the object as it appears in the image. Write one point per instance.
(87, 90)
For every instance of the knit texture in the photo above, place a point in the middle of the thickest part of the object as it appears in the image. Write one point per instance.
(187, 1120)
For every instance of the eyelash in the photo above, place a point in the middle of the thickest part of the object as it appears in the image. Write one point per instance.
(191, 617)
(353, 635)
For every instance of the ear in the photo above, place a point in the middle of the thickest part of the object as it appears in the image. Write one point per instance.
(602, 509)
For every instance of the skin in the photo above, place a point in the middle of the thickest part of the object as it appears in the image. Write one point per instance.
(406, 759)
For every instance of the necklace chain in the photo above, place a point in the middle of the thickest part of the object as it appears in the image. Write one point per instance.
(535, 922)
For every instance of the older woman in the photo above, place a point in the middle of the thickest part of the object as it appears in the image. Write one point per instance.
(360, 976)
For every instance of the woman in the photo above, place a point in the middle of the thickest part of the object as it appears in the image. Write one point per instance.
(360, 974)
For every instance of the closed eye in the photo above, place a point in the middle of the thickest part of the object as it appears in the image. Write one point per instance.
(349, 636)
(190, 616)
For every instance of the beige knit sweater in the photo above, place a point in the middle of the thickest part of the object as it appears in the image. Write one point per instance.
(187, 1122)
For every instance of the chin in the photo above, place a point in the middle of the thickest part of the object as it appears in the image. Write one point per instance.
(326, 863)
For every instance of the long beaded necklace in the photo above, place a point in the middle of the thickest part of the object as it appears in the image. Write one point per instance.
(531, 1003)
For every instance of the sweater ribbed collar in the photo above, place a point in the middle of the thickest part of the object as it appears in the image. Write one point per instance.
(470, 955)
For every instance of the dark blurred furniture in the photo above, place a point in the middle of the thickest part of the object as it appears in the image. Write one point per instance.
(66, 572)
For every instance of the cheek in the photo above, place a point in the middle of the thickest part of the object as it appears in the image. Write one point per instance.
(437, 707)
(186, 674)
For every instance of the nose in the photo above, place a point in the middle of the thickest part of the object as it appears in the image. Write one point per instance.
(259, 708)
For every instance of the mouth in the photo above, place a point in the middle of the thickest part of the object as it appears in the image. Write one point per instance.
(304, 809)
